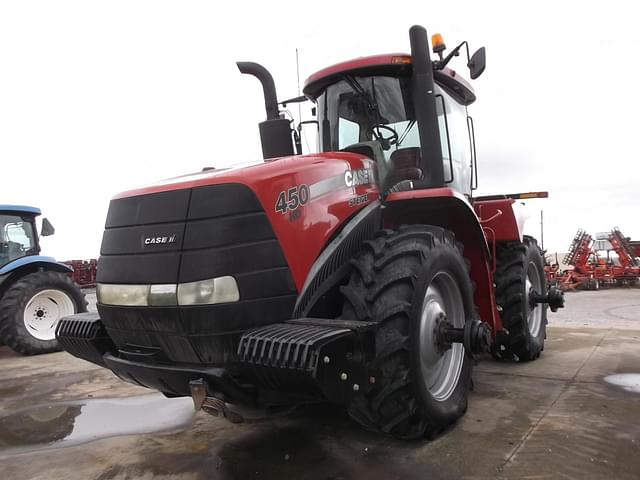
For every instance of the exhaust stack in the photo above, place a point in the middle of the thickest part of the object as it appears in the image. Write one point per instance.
(425, 109)
(275, 132)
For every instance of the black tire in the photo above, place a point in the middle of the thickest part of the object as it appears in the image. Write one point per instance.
(521, 340)
(388, 284)
(13, 330)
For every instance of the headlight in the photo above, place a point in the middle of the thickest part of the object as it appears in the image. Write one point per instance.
(129, 295)
(202, 292)
(214, 290)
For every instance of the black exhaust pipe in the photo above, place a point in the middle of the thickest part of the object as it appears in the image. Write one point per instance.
(425, 109)
(275, 132)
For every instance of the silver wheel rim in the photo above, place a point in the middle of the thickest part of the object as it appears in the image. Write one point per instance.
(533, 285)
(441, 369)
(44, 310)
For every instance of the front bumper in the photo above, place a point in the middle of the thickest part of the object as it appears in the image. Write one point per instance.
(283, 363)
(84, 336)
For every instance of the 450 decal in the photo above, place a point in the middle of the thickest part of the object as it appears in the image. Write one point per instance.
(291, 199)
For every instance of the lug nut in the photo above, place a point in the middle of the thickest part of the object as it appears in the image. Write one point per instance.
(356, 387)
(372, 380)
(343, 377)
(326, 360)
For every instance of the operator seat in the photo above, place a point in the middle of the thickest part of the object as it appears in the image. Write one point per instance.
(404, 164)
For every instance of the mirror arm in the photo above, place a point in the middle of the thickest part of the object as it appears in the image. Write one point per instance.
(440, 64)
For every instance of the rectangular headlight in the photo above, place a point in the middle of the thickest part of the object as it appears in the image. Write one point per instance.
(206, 292)
(128, 295)
(203, 292)
(160, 295)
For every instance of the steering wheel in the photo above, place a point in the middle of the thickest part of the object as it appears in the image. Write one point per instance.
(386, 142)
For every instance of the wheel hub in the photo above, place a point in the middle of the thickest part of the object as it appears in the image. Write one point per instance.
(44, 310)
(440, 360)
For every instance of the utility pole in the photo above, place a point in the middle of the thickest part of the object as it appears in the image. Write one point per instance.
(542, 229)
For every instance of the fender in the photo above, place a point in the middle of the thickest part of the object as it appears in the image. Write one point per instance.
(25, 265)
(47, 263)
(504, 217)
(449, 209)
(332, 265)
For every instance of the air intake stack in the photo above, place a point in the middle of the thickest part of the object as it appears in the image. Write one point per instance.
(275, 132)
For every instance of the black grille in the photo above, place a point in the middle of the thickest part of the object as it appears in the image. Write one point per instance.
(185, 236)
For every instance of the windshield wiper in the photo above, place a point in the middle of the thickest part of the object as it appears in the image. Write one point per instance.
(371, 107)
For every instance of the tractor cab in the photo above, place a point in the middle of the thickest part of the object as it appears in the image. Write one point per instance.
(366, 106)
(18, 234)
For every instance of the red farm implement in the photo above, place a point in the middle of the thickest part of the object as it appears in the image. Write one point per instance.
(84, 272)
(591, 271)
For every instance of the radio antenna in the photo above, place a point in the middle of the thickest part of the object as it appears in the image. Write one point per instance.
(298, 75)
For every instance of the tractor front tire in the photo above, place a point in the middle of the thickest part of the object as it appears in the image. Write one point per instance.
(519, 273)
(407, 281)
(31, 308)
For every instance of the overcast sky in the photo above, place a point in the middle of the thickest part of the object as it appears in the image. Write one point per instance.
(100, 97)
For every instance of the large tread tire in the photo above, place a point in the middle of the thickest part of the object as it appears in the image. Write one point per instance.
(387, 285)
(514, 261)
(13, 331)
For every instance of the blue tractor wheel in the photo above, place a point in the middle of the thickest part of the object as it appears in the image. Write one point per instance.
(31, 308)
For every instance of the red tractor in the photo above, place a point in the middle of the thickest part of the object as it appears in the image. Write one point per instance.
(365, 275)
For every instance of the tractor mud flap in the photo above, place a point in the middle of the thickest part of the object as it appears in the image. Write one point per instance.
(311, 356)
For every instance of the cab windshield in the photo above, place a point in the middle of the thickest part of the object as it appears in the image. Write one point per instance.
(17, 238)
(366, 109)
(374, 116)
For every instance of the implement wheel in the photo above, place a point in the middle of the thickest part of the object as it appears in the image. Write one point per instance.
(409, 281)
(519, 275)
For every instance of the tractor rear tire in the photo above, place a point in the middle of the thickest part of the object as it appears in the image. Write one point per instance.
(519, 271)
(31, 308)
(401, 280)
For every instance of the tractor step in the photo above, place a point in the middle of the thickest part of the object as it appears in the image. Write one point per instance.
(324, 356)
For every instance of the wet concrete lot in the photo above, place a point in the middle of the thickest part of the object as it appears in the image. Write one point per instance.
(574, 413)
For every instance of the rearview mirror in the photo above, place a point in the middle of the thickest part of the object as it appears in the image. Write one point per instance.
(47, 229)
(477, 63)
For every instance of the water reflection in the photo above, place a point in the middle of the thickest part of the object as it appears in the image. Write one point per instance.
(71, 423)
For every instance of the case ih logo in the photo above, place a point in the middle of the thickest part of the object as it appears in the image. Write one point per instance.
(353, 178)
(159, 240)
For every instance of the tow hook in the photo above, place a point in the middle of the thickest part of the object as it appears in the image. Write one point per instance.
(554, 298)
(210, 404)
(475, 336)
(214, 404)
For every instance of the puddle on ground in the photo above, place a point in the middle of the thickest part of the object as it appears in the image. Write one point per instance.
(71, 423)
(628, 381)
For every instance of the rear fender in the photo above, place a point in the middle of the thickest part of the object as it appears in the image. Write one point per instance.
(504, 217)
(12, 272)
(448, 209)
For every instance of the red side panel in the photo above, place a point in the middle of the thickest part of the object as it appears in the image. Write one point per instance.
(449, 209)
(503, 217)
(307, 198)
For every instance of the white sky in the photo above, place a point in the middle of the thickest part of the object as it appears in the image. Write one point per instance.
(99, 97)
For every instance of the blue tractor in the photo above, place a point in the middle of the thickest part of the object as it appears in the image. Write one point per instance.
(35, 291)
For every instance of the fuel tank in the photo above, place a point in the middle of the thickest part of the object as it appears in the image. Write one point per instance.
(263, 224)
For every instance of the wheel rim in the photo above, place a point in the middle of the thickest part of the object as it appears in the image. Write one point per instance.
(441, 369)
(44, 310)
(534, 285)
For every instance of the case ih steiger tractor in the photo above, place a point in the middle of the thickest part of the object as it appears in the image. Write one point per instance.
(365, 275)
(35, 291)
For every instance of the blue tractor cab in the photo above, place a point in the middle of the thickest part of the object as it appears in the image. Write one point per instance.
(35, 290)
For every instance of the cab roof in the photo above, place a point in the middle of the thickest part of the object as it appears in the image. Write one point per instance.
(393, 64)
(390, 63)
(4, 208)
